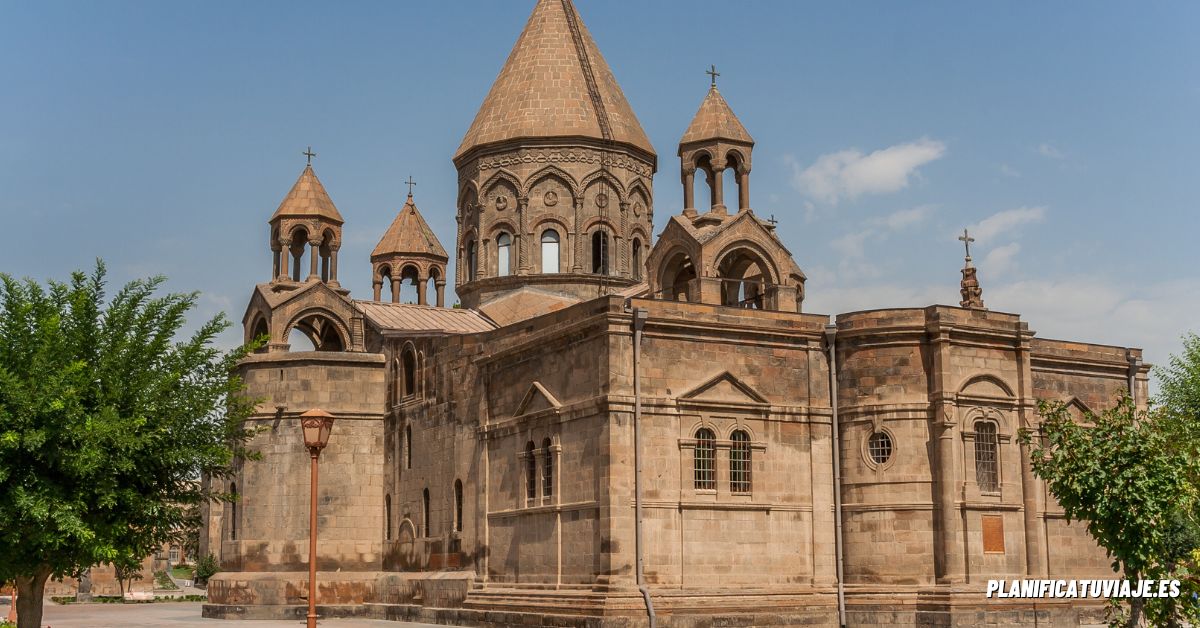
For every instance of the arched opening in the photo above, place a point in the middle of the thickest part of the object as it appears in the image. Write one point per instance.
(470, 260)
(600, 252)
(260, 330)
(407, 446)
(503, 260)
(299, 253)
(547, 468)
(387, 517)
(635, 258)
(410, 284)
(739, 462)
(276, 249)
(321, 332)
(326, 253)
(734, 176)
(458, 506)
(409, 370)
(704, 460)
(299, 341)
(233, 518)
(745, 280)
(704, 164)
(385, 284)
(425, 518)
(676, 277)
(550, 261)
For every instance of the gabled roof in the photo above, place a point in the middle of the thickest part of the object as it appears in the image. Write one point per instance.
(308, 198)
(715, 120)
(555, 84)
(423, 318)
(409, 234)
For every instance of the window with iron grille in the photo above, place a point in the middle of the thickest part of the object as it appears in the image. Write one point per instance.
(879, 447)
(705, 460)
(739, 462)
(986, 445)
(547, 470)
(531, 475)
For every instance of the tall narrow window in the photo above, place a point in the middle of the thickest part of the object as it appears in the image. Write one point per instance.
(547, 469)
(531, 476)
(739, 462)
(600, 252)
(387, 517)
(407, 446)
(233, 512)
(471, 266)
(410, 372)
(550, 251)
(458, 505)
(636, 258)
(503, 246)
(986, 471)
(425, 512)
(704, 460)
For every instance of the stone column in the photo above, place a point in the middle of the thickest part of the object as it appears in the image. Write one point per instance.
(313, 258)
(519, 236)
(421, 281)
(395, 287)
(689, 190)
(718, 188)
(333, 255)
(377, 284)
(285, 260)
(577, 238)
(744, 190)
(441, 292)
(953, 563)
(481, 257)
(1031, 487)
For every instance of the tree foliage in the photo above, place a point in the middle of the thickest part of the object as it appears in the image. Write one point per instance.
(107, 421)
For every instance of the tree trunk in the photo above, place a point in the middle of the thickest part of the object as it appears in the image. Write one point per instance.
(30, 590)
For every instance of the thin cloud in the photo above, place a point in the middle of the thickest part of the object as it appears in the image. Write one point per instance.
(1009, 171)
(905, 217)
(1001, 259)
(848, 174)
(1005, 221)
(1047, 150)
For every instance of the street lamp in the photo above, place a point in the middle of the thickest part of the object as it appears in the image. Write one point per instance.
(317, 424)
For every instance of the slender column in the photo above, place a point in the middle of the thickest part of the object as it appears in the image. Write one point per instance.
(313, 259)
(395, 288)
(421, 281)
(522, 247)
(481, 258)
(689, 189)
(441, 292)
(378, 286)
(285, 259)
(944, 417)
(718, 189)
(743, 190)
(333, 255)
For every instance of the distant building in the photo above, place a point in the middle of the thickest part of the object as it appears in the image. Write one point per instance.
(481, 467)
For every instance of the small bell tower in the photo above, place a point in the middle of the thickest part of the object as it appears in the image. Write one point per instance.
(306, 223)
(713, 142)
(409, 251)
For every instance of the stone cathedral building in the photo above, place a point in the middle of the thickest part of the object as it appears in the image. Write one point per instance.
(483, 465)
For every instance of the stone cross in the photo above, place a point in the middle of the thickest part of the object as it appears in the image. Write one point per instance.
(308, 153)
(712, 71)
(966, 239)
(410, 183)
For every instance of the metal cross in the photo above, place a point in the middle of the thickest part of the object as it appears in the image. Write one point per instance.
(772, 220)
(308, 153)
(410, 183)
(966, 239)
(712, 71)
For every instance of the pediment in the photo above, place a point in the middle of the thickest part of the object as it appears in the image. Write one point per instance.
(1078, 410)
(722, 389)
(536, 399)
(986, 386)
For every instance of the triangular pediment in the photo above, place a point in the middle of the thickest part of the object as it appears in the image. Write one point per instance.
(536, 399)
(724, 388)
(1078, 410)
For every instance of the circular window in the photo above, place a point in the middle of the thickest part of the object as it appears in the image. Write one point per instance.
(879, 447)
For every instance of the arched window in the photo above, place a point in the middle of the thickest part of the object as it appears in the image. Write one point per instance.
(410, 372)
(425, 511)
(739, 462)
(387, 517)
(550, 251)
(503, 246)
(458, 506)
(471, 266)
(987, 473)
(636, 258)
(704, 460)
(600, 252)
(233, 511)
(407, 446)
(547, 469)
(531, 476)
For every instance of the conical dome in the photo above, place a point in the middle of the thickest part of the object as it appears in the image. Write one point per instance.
(715, 120)
(308, 198)
(409, 234)
(555, 84)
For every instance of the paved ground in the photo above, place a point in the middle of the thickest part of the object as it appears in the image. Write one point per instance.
(173, 615)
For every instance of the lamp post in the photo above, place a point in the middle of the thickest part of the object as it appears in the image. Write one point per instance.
(317, 424)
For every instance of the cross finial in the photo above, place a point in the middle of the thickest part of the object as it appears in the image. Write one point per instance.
(712, 71)
(308, 153)
(410, 183)
(772, 220)
(966, 239)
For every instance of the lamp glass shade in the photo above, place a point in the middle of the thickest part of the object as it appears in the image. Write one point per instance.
(317, 425)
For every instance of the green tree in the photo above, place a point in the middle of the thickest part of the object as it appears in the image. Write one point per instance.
(1130, 477)
(108, 417)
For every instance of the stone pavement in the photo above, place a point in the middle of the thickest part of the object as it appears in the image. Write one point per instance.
(174, 615)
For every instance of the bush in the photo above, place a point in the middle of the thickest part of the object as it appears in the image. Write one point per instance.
(206, 568)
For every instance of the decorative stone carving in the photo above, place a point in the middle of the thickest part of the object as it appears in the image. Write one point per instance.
(602, 200)
(501, 202)
(550, 199)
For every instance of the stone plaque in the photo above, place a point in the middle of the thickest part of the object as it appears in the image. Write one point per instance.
(993, 534)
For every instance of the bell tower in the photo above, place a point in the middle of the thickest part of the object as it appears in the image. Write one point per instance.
(713, 142)
(409, 251)
(555, 173)
(306, 233)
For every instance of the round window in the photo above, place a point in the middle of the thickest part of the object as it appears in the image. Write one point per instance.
(879, 446)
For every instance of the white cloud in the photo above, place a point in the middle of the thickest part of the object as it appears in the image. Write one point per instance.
(1004, 221)
(1009, 171)
(1047, 150)
(1000, 260)
(852, 244)
(905, 217)
(848, 174)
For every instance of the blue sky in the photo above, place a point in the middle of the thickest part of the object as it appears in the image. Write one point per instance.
(161, 136)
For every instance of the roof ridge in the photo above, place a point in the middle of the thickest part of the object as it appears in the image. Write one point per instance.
(586, 64)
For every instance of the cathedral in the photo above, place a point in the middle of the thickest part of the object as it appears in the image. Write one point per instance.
(624, 428)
